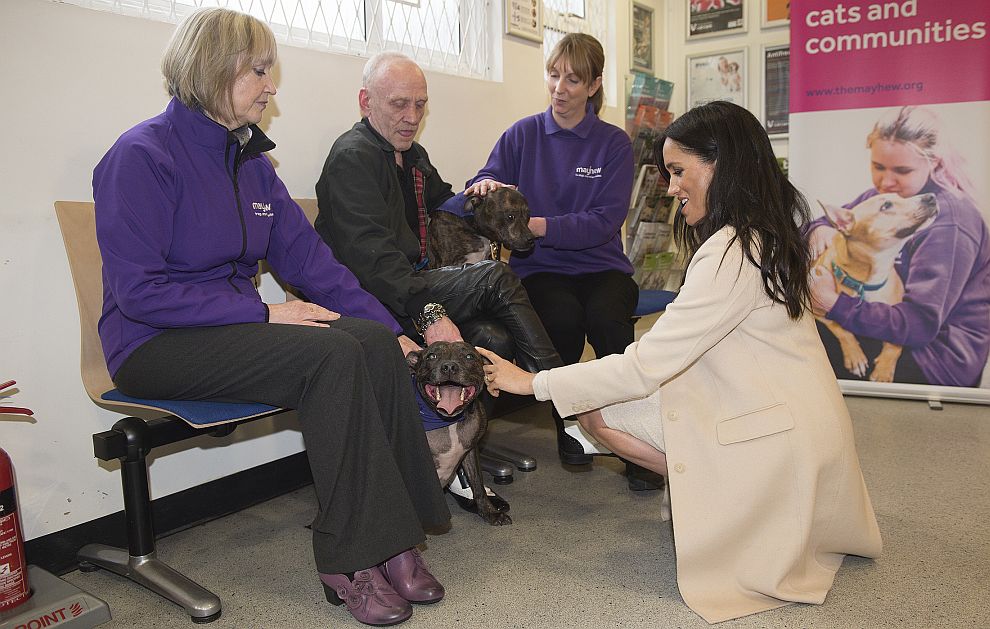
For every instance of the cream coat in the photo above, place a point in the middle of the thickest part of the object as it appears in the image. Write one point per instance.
(765, 487)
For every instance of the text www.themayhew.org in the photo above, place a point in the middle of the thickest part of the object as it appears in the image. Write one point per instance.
(842, 90)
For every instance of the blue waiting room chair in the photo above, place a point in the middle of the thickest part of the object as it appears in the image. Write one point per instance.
(653, 301)
(131, 439)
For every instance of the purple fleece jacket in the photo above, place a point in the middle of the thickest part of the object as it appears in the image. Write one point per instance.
(580, 180)
(944, 317)
(183, 214)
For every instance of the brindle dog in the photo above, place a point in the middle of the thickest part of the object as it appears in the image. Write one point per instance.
(449, 378)
(500, 218)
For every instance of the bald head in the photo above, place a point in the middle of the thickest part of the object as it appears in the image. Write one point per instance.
(393, 97)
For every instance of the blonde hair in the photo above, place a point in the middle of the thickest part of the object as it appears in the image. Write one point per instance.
(208, 52)
(586, 57)
(921, 128)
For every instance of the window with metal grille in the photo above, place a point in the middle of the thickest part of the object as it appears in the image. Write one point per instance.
(446, 35)
(580, 16)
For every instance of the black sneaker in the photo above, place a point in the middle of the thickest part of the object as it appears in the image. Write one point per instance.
(570, 450)
(642, 479)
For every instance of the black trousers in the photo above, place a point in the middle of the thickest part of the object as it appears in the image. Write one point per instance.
(375, 482)
(478, 295)
(598, 307)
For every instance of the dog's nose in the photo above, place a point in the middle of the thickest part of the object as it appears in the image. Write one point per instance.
(449, 367)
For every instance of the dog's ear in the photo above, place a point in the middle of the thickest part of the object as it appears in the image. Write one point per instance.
(840, 217)
(413, 358)
(485, 359)
(472, 202)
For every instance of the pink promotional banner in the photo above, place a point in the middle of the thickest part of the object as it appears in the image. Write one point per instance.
(889, 130)
(851, 54)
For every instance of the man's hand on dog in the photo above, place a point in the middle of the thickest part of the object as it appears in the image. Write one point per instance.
(299, 312)
(485, 186)
(503, 375)
(442, 330)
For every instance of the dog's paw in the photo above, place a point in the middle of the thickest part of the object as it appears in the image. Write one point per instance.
(882, 373)
(496, 518)
(855, 360)
(491, 515)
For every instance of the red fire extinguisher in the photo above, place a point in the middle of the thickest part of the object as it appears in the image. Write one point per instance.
(14, 588)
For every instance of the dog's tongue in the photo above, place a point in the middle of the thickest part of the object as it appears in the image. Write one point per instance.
(450, 399)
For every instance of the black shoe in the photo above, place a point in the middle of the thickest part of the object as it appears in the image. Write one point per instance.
(469, 505)
(570, 450)
(642, 479)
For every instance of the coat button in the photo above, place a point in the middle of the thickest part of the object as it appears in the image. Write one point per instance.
(679, 468)
(672, 416)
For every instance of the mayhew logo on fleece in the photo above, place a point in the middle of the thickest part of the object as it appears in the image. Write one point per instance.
(262, 209)
(588, 172)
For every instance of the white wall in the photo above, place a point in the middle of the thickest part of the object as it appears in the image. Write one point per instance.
(73, 80)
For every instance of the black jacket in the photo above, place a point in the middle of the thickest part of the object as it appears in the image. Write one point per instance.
(362, 216)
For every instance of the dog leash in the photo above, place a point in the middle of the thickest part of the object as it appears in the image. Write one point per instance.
(849, 281)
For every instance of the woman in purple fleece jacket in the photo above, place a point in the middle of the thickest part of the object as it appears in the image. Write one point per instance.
(186, 205)
(943, 321)
(576, 172)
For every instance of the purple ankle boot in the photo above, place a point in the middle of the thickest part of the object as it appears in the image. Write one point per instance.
(408, 573)
(368, 596)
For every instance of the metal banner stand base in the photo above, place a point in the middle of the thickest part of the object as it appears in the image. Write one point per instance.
(55, 603)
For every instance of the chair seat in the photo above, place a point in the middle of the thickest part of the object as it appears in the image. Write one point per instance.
(198, 413)
(651, 301)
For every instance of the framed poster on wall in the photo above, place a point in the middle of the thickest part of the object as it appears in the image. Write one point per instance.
(710, 18)
(775, 13)
(717, 76)
(642, 38)
(776, 89)
(524, 18)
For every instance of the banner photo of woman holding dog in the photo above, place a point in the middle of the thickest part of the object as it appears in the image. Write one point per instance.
(890, 112)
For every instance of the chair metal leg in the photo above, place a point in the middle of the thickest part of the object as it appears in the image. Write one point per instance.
(140, 562)
(202, 605)
(500, 470)
(522, 461)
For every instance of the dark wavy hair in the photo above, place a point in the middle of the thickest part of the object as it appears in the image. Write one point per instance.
(748, 192)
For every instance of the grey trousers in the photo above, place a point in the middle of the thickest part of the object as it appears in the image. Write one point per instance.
(373, 474)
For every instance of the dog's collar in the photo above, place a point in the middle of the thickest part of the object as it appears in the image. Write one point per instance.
(494, 247)
(433, 420)
(851, 282)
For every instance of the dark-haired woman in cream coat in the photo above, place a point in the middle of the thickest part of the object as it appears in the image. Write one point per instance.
(730, 393)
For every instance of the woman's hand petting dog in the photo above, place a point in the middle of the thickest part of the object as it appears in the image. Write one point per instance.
(824, 294)
(298, 312)
(485, 186)
(503, 375)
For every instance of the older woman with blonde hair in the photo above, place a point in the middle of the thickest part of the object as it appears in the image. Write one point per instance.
(186, 205)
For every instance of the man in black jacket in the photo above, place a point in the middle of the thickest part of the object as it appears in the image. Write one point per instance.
(375, 193)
